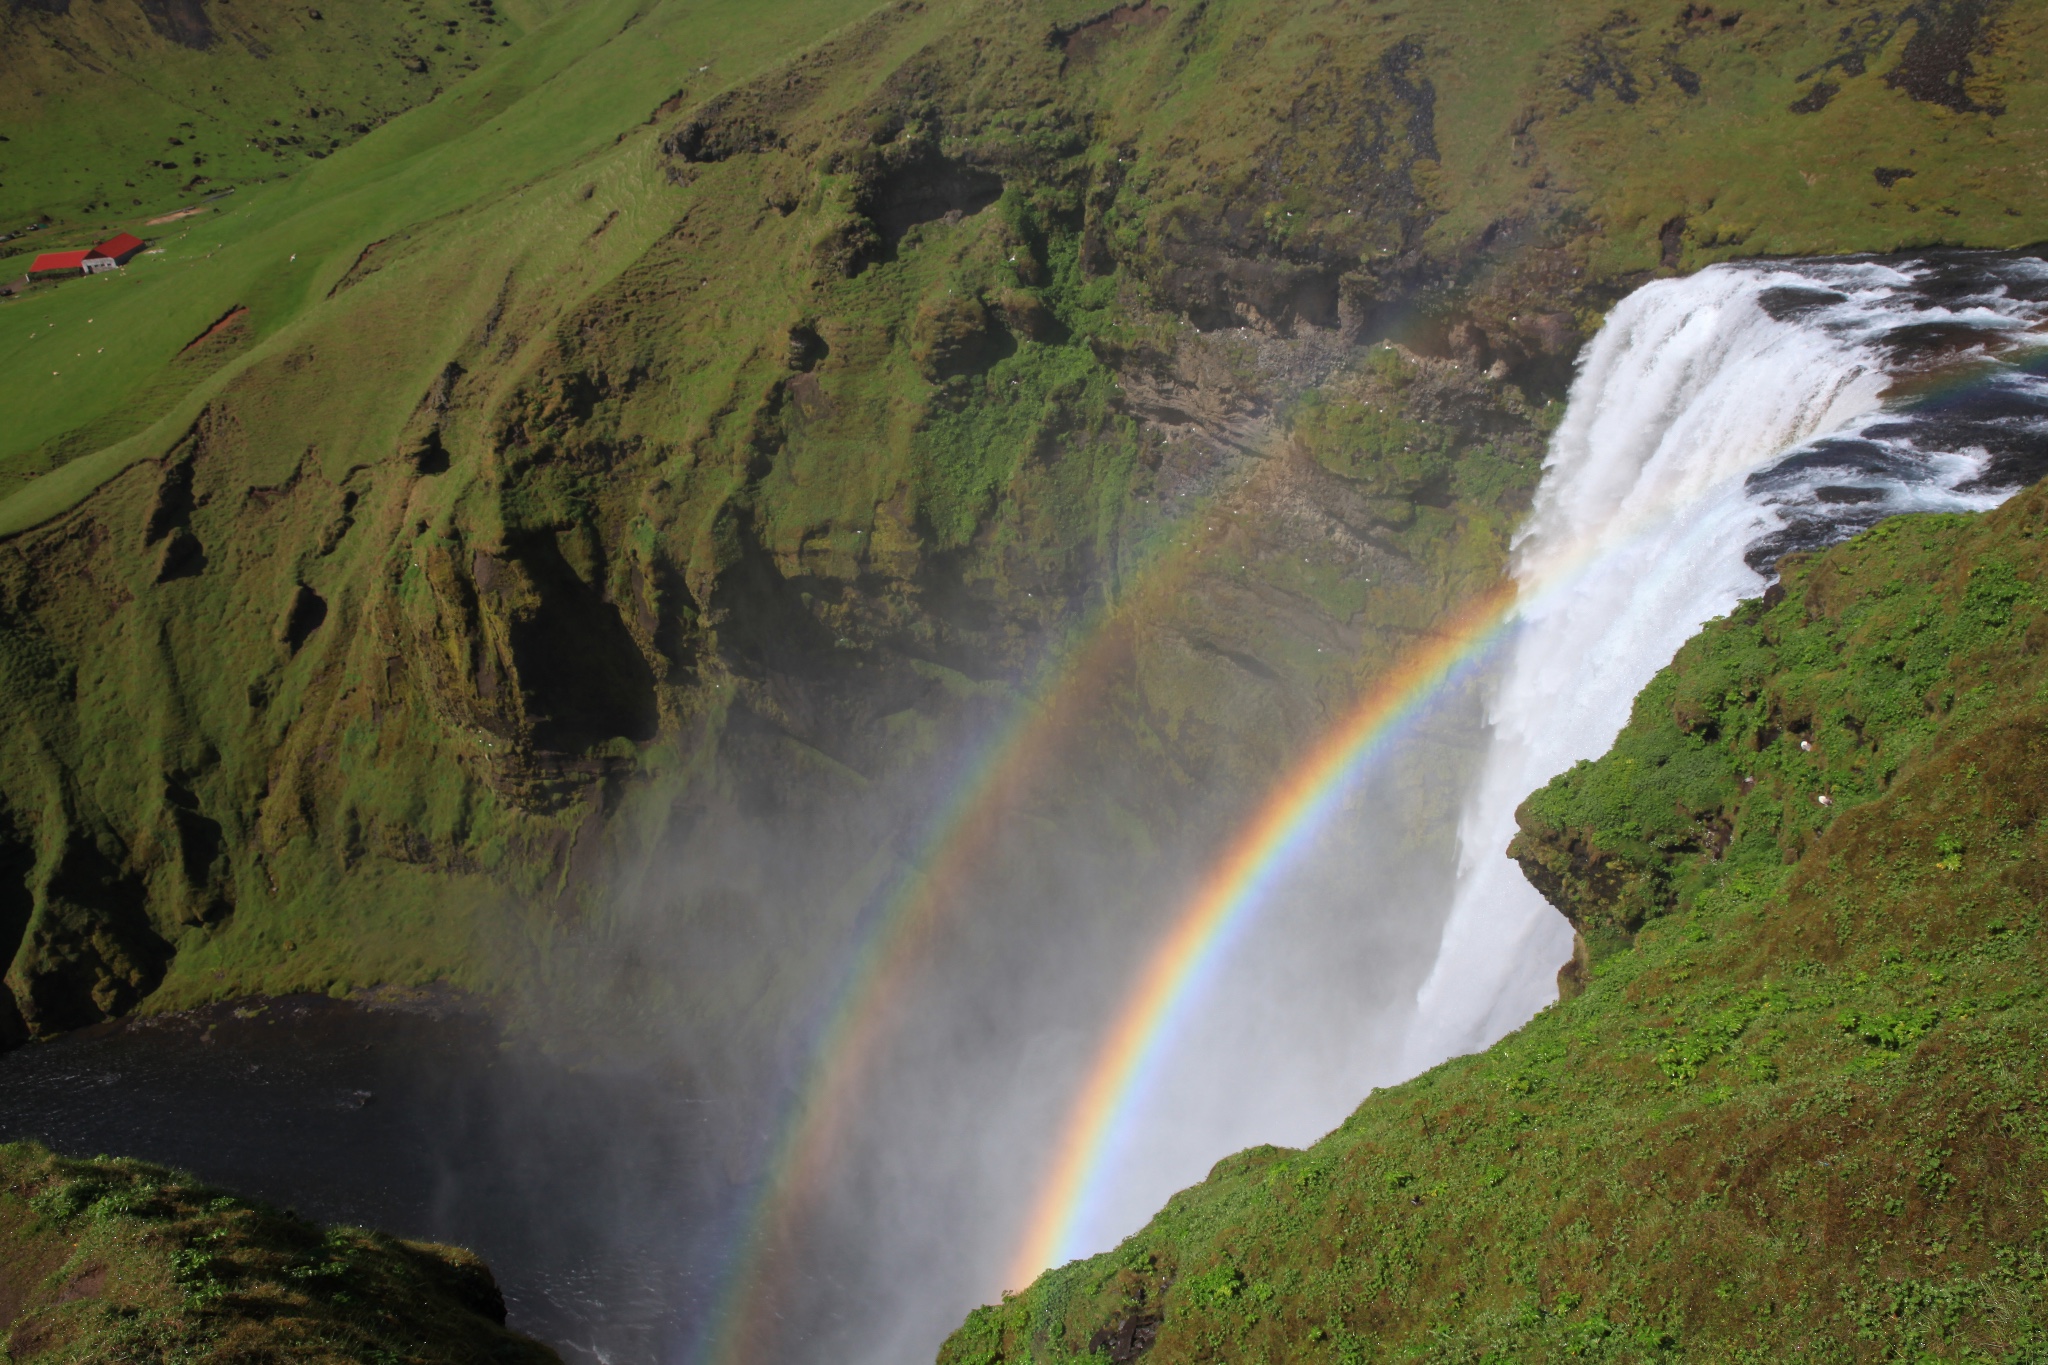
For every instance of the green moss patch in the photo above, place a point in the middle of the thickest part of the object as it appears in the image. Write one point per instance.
(117, 1260)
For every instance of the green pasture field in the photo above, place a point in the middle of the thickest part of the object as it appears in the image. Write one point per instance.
(486, 182)
(111, 114)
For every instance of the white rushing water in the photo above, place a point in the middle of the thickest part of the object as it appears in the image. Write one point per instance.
(1716, 422)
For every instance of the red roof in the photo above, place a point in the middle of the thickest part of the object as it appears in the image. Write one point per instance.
(125, 244)
(59, 260)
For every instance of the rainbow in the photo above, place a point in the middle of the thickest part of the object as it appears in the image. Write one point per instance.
(1292, 815)
(876, 976)
(859, 1019)
(887, 953)
(1238, 882)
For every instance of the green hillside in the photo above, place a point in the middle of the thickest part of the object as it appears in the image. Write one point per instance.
(108, 1260)
(403, 551)
(1791, 1107)
(115, 114)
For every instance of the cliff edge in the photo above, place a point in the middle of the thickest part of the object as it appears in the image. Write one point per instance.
(1791, 1109)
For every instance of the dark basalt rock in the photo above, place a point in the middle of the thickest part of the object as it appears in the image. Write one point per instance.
(91, 952)
(955, 336)
(184, 22)
(1594, 888)
(1937, 65)
(1816, 99)
(1128, 1339)
(183, 556)
(927, 189)
(17, 902)
(806, 348)
(305, 615)
(723, 129)
(580, 677)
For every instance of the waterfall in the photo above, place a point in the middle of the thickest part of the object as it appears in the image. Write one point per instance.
(1716, 422)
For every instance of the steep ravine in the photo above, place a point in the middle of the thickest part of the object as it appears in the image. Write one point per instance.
(601, 544)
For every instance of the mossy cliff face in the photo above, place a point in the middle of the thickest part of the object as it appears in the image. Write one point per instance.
(517, 496)
(1776, 722)
(108, 1260)
(1792, 1111)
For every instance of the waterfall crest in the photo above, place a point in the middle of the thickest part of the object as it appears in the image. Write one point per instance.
(1717, 422)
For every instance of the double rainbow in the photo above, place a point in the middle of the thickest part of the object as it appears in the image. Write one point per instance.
(884, 958)
(876, 980)
(1291, 815)
(862, 1015)
(1236, 885)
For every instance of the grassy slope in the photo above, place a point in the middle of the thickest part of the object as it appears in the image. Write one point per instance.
(480, 174)
(558, 98)
(107, 1260)
(506, 524)
(1794, 1113)
(115, 114)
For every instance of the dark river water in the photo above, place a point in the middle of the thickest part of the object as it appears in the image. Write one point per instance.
(587, 1192)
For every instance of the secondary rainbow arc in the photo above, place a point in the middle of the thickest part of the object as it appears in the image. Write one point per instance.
(884, 955)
